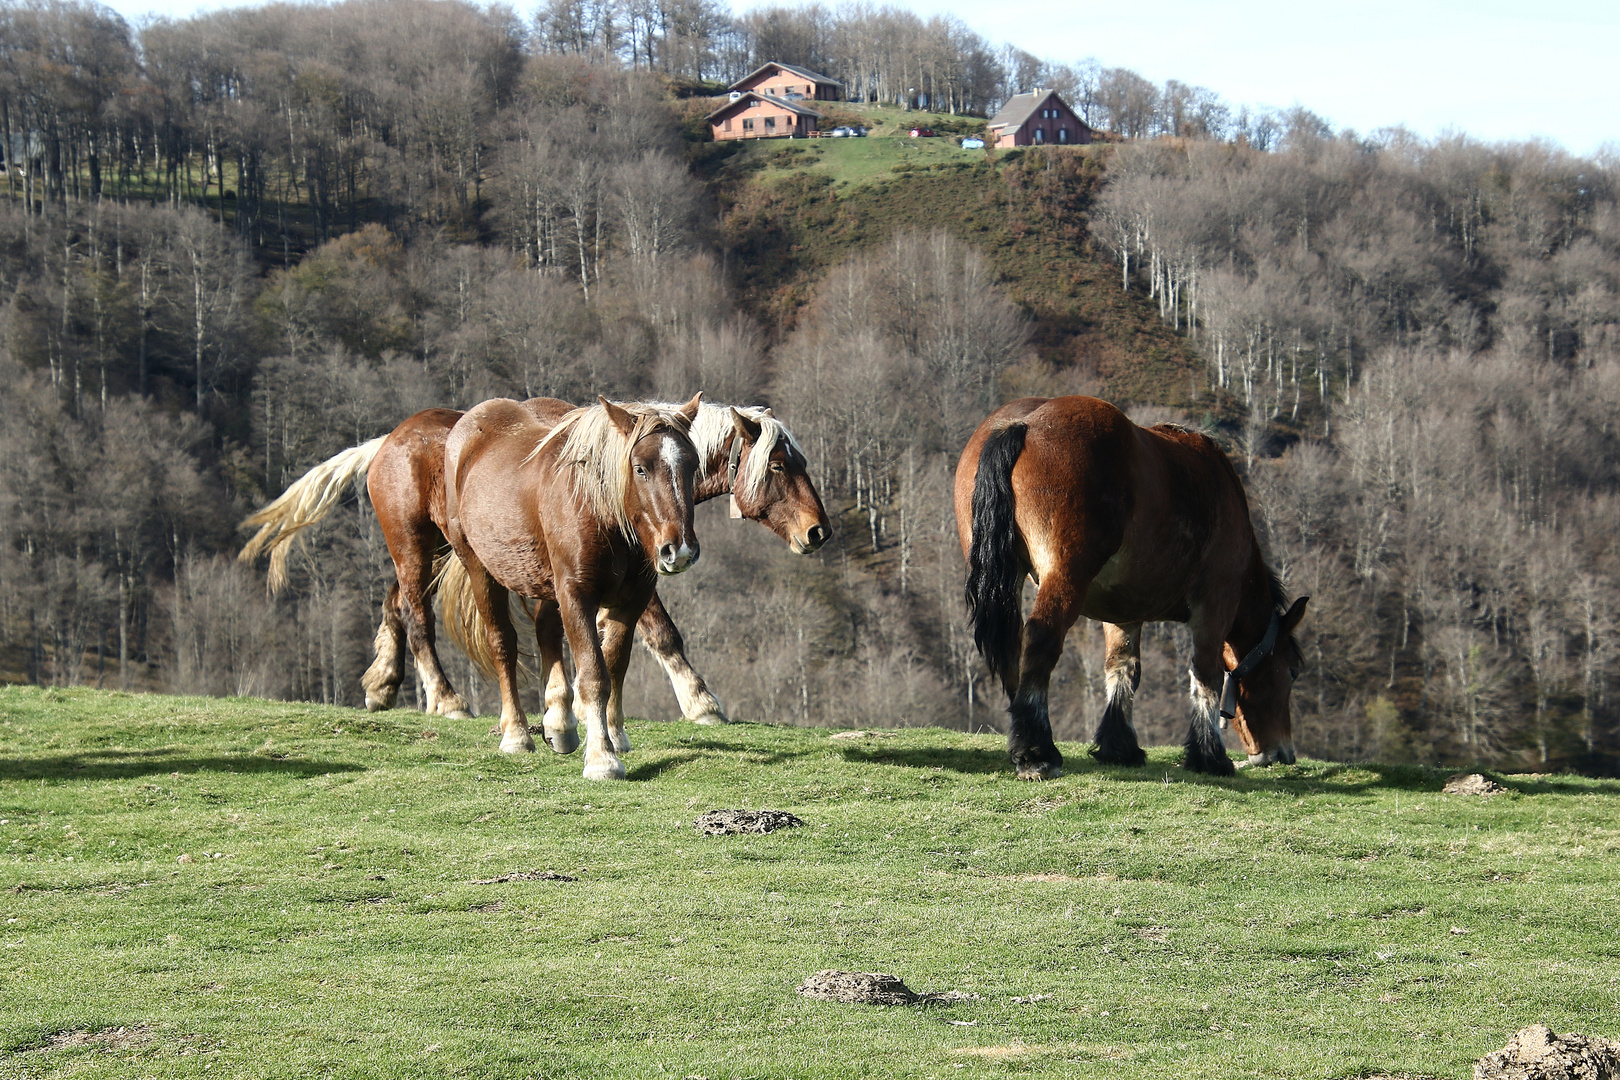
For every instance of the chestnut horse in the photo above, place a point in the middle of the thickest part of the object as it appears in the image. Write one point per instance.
(580, 515)
(746, 453)
(1125, 525)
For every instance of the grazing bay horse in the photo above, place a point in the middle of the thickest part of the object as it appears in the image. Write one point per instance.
(746, 453)
(1125, 525)
(582, 515)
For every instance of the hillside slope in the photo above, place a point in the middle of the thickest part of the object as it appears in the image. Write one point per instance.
(791, 211)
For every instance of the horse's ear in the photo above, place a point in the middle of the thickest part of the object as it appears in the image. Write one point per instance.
(621, 419)
(1294, 615)
(690, 410)
(770, 414)
(747, 427)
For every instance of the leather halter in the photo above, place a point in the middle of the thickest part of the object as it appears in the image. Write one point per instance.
(1249, 663)
(736, 443)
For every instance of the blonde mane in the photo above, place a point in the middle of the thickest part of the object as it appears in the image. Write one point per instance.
(600, 453)
(713, 428)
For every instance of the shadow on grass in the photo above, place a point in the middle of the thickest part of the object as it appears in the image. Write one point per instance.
(654, 769)
(127, 764)
(956, 759)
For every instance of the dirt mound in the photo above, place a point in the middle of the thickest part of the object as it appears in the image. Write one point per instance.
(874, 988)
(1472, 784)
(857, 988)
(1535, 1053)
(724, 822)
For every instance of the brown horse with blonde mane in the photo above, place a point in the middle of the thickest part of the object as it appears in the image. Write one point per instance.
(747, 453)
(581, 515)
(1124, 525)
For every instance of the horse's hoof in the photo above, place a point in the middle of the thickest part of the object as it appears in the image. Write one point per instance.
(620, 741)
(711, 719)
(379, 703)
(518, 743)
(1128, 760)
(458, 714)
(1039, 771)
(605, 771)
(563, 742)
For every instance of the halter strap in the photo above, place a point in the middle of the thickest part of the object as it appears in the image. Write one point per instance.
(736, 443)
(1248, 664)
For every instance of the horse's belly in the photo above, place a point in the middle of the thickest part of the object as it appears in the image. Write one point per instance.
(515, 558)
(1118, 594)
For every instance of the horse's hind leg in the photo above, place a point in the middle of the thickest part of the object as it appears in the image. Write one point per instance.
(413, 566)
(1029, 735)
(1206, 753)
(381, 680)
(663, 640)
(562, 731)
(1122, 674)
(491, 598)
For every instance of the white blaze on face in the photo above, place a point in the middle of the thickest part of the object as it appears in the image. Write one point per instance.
(672, 457)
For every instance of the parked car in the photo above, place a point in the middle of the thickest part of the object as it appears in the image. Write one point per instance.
(839, 133)
(922, 133)
(973, 144)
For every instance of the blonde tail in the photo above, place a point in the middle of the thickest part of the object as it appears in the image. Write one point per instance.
(458, 612)
(303, 504)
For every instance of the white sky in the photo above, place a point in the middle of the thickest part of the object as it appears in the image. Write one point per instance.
(1496, 69)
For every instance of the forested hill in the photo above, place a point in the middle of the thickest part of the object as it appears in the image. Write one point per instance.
(265, 235)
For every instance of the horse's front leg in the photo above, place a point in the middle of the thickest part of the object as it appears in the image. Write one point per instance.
(663, 640)
(617, 635)
(561, 729)
(1029, 735)
(1206, 753)
(592, 687)
(1122, 674)
(491, 598)
(413, 566)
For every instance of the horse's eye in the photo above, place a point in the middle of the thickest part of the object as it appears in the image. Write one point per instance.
(641, 470)
(1293, 674)
(776, 466)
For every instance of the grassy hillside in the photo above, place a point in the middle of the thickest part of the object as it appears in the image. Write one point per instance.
(794, 209)
(197, 887)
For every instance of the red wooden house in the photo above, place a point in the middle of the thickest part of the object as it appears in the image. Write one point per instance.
(1038, 118)
(754, 115)
(785, 80)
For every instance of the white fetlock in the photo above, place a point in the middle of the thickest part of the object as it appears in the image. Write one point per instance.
(517, 741)
(620, 740)
(609, 769)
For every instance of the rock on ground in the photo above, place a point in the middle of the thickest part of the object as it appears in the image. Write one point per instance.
(723, 822)
(1535, 1053)
(857, 988)
(1472, 784)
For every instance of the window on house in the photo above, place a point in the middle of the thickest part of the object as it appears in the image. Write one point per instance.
(770, 123)
(748, 123)
(1063, 134)
(1040, 135)
(753, 103)
(771, 90)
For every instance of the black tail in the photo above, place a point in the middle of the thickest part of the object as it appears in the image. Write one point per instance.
(995, 584)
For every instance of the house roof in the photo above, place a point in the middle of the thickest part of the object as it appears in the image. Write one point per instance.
(1021, 107)
(791, 106)
(803, 73)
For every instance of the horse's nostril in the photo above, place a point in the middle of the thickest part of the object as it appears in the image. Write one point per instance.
(817, 536)
(666, 554)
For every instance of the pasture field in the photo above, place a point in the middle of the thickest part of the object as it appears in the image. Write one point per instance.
(852, 164)
(194, 887)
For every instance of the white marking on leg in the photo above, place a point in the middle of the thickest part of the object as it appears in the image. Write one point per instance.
(1207, 709)
(601, 763)
(1117, 687)
(562, 730)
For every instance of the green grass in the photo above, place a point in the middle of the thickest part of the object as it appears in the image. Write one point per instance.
(262, 889)
(851, 163)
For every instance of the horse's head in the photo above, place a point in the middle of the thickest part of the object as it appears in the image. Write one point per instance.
(772, 483)
(658, 492)
(1263, 720)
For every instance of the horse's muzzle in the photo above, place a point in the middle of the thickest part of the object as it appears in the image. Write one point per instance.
(674, 558)
(813, 538)
(1283, 754)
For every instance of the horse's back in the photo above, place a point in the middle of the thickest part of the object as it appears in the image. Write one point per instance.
(406, 478)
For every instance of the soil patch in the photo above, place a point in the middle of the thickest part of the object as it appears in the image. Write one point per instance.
(873, 988)
(114, 1038)
(1472, 784)
(525, 875)
(863, 735)
(726, 822)
(1536, 1053)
